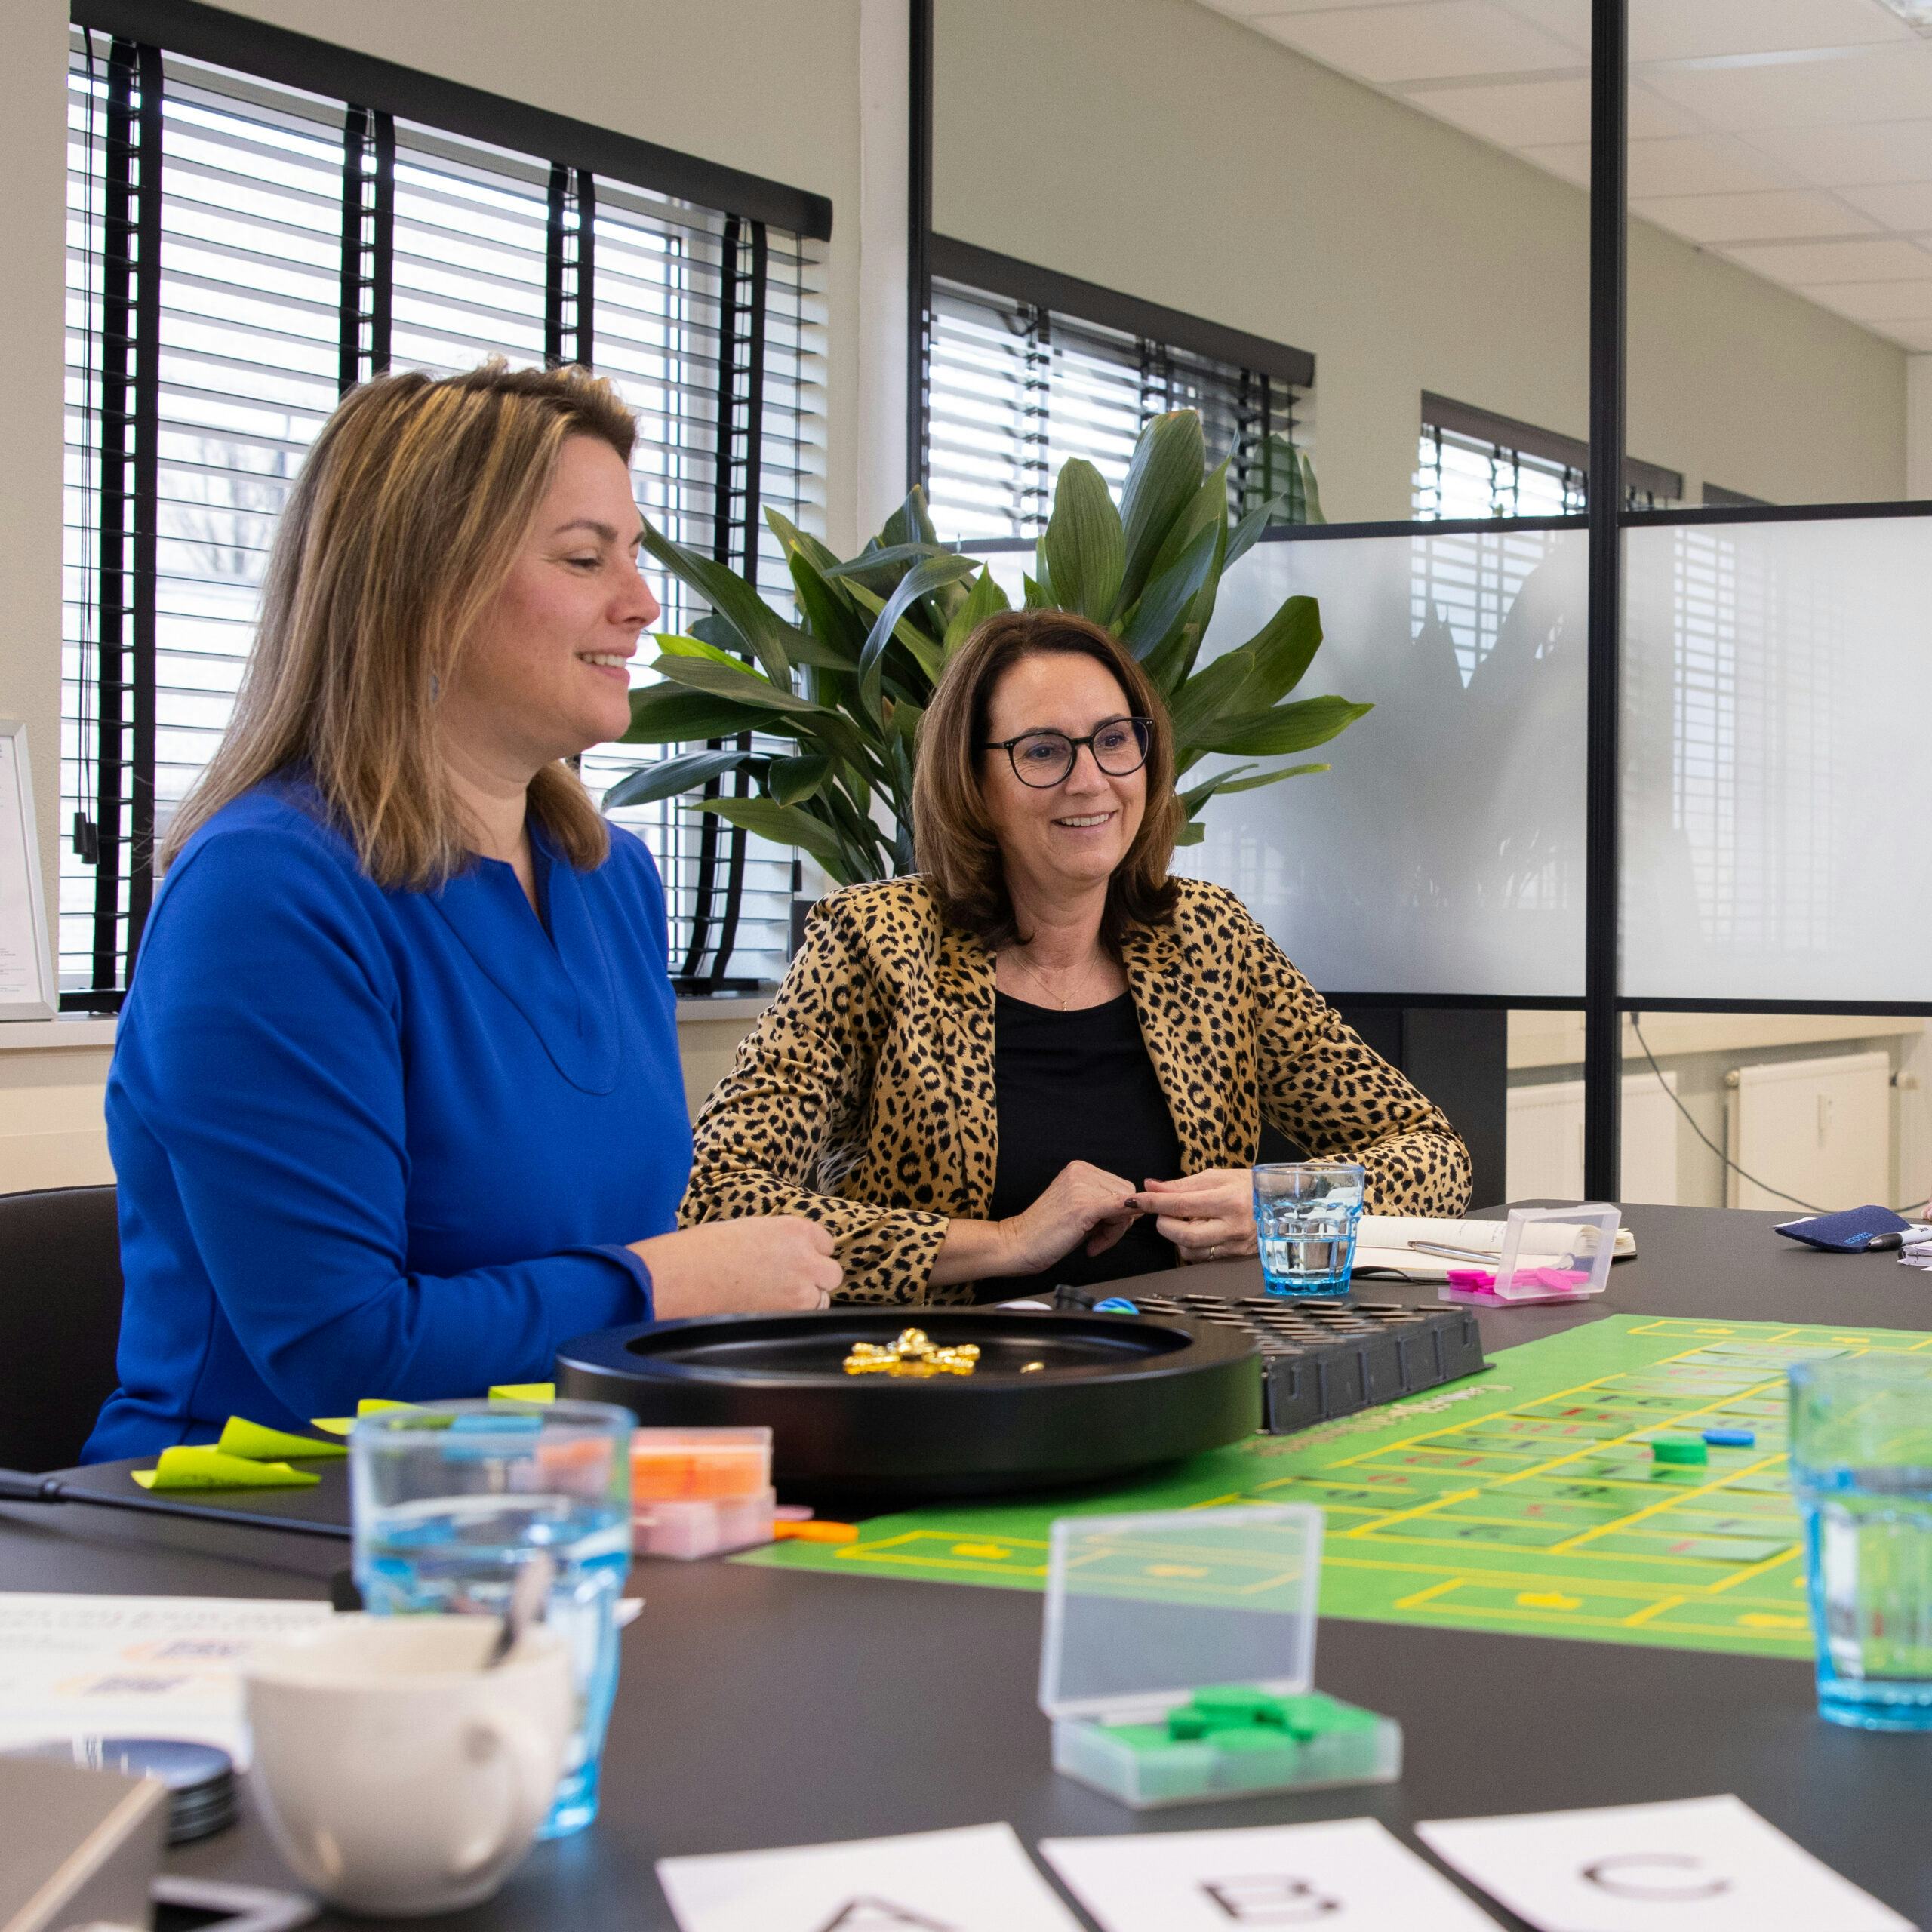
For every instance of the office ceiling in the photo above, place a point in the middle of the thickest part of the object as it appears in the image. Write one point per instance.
(1793, 136)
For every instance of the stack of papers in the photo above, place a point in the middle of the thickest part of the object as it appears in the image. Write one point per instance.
(1401, 1242)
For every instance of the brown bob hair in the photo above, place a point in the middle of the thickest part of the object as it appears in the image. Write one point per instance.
(951, 828)
(395, 540)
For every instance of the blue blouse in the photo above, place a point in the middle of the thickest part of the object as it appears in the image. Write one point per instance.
(376, 1143)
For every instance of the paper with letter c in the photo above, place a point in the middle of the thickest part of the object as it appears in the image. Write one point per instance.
(978, 1879)
(1352, 1875)
(1701, 1865)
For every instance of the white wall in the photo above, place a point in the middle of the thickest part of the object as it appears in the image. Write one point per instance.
(1919, 430)
(1162, 150)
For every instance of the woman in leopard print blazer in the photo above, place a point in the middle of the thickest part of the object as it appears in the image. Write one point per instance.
(909, 1089)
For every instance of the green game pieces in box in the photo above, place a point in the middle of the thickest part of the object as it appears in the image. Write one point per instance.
(1179, 1651)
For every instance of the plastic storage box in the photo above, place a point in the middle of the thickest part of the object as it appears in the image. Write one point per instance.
(1178, 1654)
(1548, 1254)
(697, 1492)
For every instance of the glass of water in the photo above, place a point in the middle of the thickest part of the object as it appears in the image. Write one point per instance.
(1861, 1465)
(452, 1500)
(1305, 1220)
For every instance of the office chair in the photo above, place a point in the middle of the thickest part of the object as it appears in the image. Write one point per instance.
(60, 1321)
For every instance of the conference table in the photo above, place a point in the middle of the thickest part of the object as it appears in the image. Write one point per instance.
(761, 1707)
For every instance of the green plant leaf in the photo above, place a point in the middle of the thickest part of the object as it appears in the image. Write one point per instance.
(909, 523)
(986, 599)
(792, 780)
(783, 824)
(737, 682)
(761, 631)
(835, 626)
(1084, 547)
(791, 537)
(1214, 694)
(1206, 507)
(670, 776)
(667, 714)
(947, 568)
(1192, 833)
(1311, 492)
(924, 651)
(1037, 597)
(880, 569)
(1233, 781)
(1168, 458)
(1288, 727)
(1283, 649)
(1165, 601)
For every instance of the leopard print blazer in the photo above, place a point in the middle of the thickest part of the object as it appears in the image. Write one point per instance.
(863, 1097)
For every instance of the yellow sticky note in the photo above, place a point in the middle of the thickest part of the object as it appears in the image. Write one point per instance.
(256, 1442)
(188, 1467)
(524, 1391)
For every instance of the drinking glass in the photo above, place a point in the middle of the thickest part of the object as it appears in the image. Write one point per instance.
(1305, 1221)
(1861, 1465)
(451, 1499)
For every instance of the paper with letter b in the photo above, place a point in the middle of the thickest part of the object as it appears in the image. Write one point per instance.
(978, 1879)
(1352, 1876)
(1703, 1865)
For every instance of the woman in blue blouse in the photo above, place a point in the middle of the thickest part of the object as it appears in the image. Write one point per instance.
(396, 1105)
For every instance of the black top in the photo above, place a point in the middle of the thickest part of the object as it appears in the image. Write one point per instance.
(1078, 1086)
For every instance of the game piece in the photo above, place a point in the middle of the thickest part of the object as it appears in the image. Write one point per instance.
(1548, 1254)
(1678, 1450)
(708, 1527)
(913, 1354)
(524, 1391)
(1115, 1305)
(1031, 1368)
(792, 1512)
(784, 1529)
(1730, 1439)
(690, 1465)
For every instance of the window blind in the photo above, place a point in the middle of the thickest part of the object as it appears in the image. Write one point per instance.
(1025, 369)
(241, 251)
(1470, 463)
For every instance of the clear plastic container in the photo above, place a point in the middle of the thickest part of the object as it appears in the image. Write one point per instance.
(1548, 1254)
(699, 1464)
(1178, 1657)
(706, 1528)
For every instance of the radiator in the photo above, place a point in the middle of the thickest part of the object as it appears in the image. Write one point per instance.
(1544, 1158)
(1820, 1129)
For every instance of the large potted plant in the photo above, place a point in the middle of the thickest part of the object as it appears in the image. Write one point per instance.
(848, 683)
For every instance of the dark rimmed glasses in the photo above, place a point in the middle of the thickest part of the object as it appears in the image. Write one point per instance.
(1040, 758)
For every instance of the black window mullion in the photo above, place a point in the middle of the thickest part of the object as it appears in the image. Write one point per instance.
(569, 267)
(368, 278)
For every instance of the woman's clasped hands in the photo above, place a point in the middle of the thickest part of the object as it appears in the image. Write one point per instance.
(1208, 1216)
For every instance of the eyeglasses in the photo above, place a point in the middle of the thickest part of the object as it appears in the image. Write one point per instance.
(1040, 758)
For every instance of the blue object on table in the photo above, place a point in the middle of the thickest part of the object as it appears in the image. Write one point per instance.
(1852, 1231)
(1305, 1215)
(1730, 1439)
(1115, 1305)
(448, 1512)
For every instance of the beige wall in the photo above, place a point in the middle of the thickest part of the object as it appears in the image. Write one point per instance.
(1161, 149)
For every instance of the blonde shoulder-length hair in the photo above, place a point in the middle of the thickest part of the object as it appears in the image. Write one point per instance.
(396, 539)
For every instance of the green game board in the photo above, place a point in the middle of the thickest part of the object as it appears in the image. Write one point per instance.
(1522, 1500)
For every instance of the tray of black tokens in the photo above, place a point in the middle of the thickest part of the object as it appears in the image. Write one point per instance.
(1320, 1358)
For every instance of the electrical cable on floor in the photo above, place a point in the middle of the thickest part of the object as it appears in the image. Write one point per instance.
(1911, 1207)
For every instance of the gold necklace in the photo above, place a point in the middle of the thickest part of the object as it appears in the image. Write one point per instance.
(1040, 980)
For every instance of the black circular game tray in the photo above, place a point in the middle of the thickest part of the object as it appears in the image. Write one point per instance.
(1113, 1393)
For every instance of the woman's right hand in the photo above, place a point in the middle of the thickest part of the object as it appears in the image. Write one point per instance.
(758, 1263)
(1082, 1203)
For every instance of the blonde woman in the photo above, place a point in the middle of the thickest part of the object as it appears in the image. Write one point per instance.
(396, 1105)
(1045, 1059)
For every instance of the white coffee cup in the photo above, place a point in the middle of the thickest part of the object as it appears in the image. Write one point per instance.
(395, 1774)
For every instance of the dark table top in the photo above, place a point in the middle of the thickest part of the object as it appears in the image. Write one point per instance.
(763, 1707)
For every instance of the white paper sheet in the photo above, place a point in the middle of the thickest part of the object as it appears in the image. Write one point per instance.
(83, 1666)
(1352, 1875)
(1703, 1865)
(978, 1879)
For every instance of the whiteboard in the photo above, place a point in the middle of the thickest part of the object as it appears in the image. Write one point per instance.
(27, 990)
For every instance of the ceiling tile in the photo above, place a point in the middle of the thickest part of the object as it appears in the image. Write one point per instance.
(1258, 11)
(1693, 29)
(1793, 90)
(1906, 206)
(1712, 165)
(1913, 335)
(1524, 114)
(1436, 40)
(1879, 259)
(1568, 20)
(1844, 157)
(1876, 301)
(1796, 214)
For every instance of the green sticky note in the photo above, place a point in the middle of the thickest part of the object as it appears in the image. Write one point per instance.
(333, 1425)
(255, 1442)
(185, 1467)
(524, 1391)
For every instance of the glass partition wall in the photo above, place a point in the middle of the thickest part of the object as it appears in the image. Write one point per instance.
(1678, 794)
